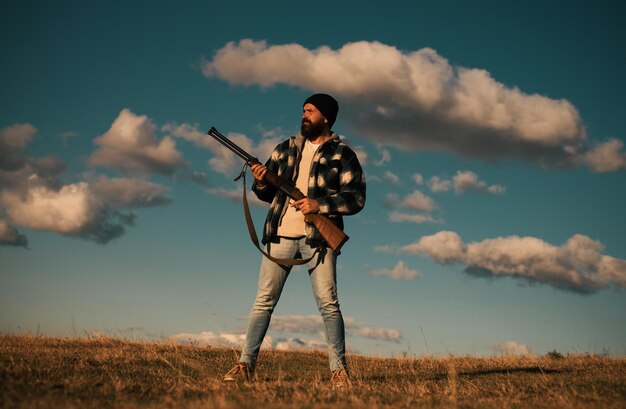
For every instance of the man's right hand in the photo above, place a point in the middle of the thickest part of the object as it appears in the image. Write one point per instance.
(259, 171)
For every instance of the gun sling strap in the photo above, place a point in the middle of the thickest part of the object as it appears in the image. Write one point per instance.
(254, 237)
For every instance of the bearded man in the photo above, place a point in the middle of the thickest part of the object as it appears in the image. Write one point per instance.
(329, 173)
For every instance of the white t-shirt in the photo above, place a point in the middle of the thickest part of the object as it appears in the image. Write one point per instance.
(292, 224)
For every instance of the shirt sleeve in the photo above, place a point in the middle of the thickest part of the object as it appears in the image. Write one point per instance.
(350, 199)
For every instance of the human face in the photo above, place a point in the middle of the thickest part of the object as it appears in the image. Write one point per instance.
(313, 122)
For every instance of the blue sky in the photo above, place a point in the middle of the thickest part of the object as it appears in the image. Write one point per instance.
(491, 135)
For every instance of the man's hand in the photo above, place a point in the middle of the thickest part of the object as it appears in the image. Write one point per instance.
(259, 171)
(306, 205)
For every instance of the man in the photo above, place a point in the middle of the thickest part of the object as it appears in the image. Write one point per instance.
(328, 172)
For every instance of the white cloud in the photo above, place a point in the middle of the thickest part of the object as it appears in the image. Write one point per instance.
(73, 210)
(44, 171)
(192, 134)
(418, 179)
(13, 141)
(119, 192)
(69, 210)
(467, 181)
(235, 340)
(399, 272)
(302, 324)
(416, 100)
(85, 209)
(444, 247)
(386, 249)
(293, 324)
(385, 156)
(399, 217)
(236, 195)
(224, 160)
(18, 170)
(380, 333)
(463, 181)
(223, 339)
(298, 344)
(418, 201)
(577, 266)
(33, 196)
(606, 157)
(480, 100)
(9, 236)
(17, 136)
(131, 145)
(509, 348)
(313, 324)
(82, 210)
(391, 177)
(436, 184)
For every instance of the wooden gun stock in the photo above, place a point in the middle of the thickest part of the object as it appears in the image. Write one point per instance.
(333, 235)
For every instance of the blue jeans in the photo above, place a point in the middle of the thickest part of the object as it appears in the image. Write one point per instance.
(272, 278)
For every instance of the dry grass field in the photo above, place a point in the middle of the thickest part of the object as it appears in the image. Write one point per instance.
(42, 372)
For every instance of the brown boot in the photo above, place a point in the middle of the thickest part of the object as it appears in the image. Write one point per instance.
(239, 373)
(340, 379)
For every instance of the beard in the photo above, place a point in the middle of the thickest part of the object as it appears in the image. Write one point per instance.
(310, 129)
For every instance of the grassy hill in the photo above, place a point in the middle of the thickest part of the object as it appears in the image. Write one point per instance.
(40, 372)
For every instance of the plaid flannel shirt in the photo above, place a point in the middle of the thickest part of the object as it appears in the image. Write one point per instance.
(336, 181)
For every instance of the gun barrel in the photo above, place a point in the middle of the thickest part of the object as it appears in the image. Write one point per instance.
(231, 145)
(286, 186)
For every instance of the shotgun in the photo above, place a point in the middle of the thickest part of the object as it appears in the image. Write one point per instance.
(333, 235)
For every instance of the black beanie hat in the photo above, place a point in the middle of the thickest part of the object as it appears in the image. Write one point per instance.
(326, 104)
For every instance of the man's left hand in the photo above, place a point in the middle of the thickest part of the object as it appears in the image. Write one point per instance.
(306, 205)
